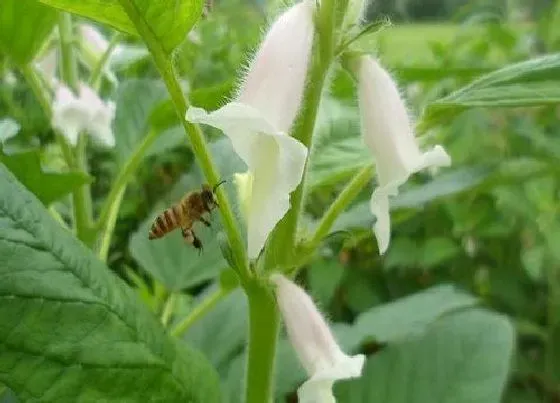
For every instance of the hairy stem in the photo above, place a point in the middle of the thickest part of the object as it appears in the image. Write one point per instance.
(264, 323)
(198, 143)
(109, 211)
(199, 311)
(344, 198)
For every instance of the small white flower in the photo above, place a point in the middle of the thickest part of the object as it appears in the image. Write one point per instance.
(86, 112)
(259, 120)
(388, 133)
(314, 344)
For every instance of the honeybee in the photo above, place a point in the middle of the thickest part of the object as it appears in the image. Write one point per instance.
(184, 214)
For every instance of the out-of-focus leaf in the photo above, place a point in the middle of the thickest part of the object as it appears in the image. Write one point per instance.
(46, 186)
(222, 333)
(324, 276)
(338, 149)
(410, 315)
(462, 358)
(169, 21)
(533, 82)
(127, 56)
(72, 330)
(25, 25)
(436, 251)
(136, 99)
(444, 184)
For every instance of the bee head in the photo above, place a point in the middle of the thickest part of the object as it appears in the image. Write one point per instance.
(209, 196)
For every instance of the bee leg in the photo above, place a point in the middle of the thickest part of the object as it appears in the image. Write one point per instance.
(188, 235)
(197, 244)
(205, 221)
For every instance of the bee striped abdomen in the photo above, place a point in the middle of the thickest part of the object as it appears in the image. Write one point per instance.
(164, 223)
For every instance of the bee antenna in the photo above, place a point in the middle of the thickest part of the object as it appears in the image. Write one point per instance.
(217, 185)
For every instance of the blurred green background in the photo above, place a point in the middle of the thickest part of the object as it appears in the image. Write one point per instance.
(490, 224)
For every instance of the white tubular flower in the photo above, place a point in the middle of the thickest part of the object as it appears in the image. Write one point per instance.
(73, 114)
(388, 133)
(259, 120)
(314, 344)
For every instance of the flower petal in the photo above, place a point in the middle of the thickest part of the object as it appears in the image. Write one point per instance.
(314, 343)
(275, 79)
(70, 114)
(275, 160)
(388, 133)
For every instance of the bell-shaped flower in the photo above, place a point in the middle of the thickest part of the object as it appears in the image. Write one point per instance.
(73, 114)
(259, 119)
(314, 343)
(388, 133)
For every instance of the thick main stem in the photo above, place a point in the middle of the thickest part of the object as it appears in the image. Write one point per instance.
(264, 323)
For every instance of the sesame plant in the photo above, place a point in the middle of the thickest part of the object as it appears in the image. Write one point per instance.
(233, 321)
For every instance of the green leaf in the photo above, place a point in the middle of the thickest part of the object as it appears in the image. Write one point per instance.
(338, 149)
(70, 328)
(462, 358)
(167, 21)
(436, 251)
(222, 333)
(533, 82)
(46, 186)
(324, 276)
(170, 259)
(136, 101)
(25, 25)
(410, 315)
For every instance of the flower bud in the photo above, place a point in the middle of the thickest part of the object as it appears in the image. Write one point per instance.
(314, 343)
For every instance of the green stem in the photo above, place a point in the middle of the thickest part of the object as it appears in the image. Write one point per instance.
(81, 199)
(69, 65)
(285, 235)
(196, 137)
(345, 197)
(264, 323)
(168, 309)
(97, 72)
(199, 311)
(109, 211)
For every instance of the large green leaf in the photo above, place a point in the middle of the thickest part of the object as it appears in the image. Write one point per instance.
(169, 21)
(47, 186)
(463, 358)
(530, 83)
(71, 330)
(404, 317)
(24, 26)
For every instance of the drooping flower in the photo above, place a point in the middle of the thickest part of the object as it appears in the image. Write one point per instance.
(388, 133)
(259, 119)
(314, 343)
(86, 112)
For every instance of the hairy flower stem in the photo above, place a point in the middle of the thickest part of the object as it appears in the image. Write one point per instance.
(163, 62)
(264, 323)
(81, 197)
